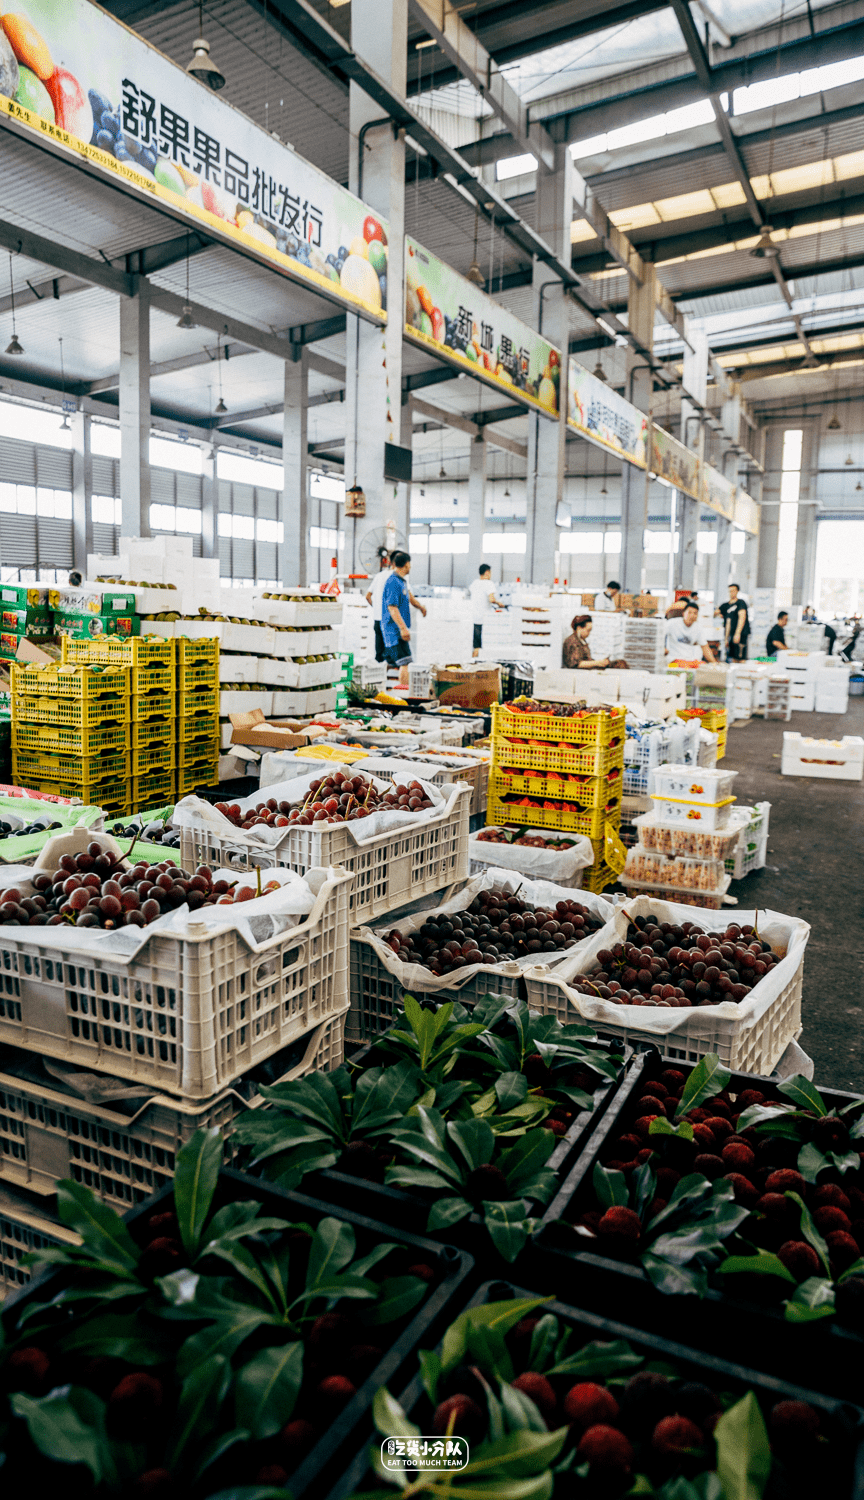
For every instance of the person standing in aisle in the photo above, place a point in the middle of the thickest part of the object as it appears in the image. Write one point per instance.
(396, 604)
(606, 600)
(777, 635)
(736, 621)
(483, 599)
(374, 595)
(683, 634)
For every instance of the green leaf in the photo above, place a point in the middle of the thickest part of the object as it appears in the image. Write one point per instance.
(474, 1141)
(743, 1451)
(809, 1230)
(511, 1089)
(202, 1395)
(605, 1359)
(763, 1263)
(265, 1390)
(380, 1252)
(195, 1176)
(758, 1115)
(610, 1187)
(522, 1162)
(397, 1296)
(102, 1230)
(222, 1339)
(216, 1448)
(520, 1454)
(389, 1418)
(811, 1300)
(117, 1336)
(643, 1187)
(446, 1212)
(520, 1410)
(245, 1265)
(675, 1280)
(708, 1078)
(500, 1316)
(850, 1161)
(689, 1192)
(705, 1486)
(430, 1371)
(811, 1162)
(68, 1427)
(509, 1228)
(332, 1249)
(803, 1093)
(422, 1177)
(544, 1339)
(661, 1126)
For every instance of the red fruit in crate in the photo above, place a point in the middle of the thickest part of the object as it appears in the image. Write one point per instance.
(538, 1388)
(588, 1404)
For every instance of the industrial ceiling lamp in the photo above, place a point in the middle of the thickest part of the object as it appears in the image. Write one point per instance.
(599, 372)
(65, 425)
(221, 408)
(766, 249)
(604, 490)
(849, 460)
(14, 347)
(475, 275)
(202, 66)
(185, 319)
(834, 424)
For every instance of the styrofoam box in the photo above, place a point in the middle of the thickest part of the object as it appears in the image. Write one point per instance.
(187, 1013)
(809, 662)
(236, 702)
(319, 701)
(289, 612)
(253, 638)
(291, 643)
(108, 565)
(683, 783)
(161, 545)
(828, 760)
(236, 668)
(151, 601)
(167, 629)
(302, 676)
(710, 815)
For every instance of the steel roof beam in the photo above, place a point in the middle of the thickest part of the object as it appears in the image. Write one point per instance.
(57, 287)
(20, 241)
(469, 425)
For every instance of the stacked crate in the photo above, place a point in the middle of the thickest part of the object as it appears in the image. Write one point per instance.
(197, 682)
(559, 773)
(712, 719)
(645, 644)
(71, 731)
(149, 665)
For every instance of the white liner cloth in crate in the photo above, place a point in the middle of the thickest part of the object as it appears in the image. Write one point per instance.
(505, 882)
(561, 866)
(787, 935)
(194, 812)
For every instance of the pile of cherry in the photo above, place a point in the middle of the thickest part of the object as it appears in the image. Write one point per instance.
(338, 798)
(97, 889)
(493, 929)
(662, 963)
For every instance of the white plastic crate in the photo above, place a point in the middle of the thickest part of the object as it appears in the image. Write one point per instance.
(235, 701)
(379, 979)
(127, 1153)
(752, 848)
(710, 815)
(686, 784)
(189, 1012)
(236, 668)
(22, 1229)
(370, 674)
(300, 608)
(420, 681)
(303, 703)
(829, 760)
(561, 866)
(437, 773)
(750, 1037)
(389, 868)
(296, 675)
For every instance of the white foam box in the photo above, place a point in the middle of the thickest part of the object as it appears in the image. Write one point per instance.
(167, 629)
(254, 639)
(291, 643)
(300, 609)
(107, 565)
(317, 702)
(827, 760)
(797, 663)
(802, 701)
(233, 701)
(237, 668)
(152, 601)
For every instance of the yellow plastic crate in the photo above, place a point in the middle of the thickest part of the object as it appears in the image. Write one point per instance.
(195, 652)
(150, 733)
(81, 775)
(190, 779)
(68, 681)
(153, 759)
(588, 792)
(77, 713)
(151, 680)
(198, 674)
(564, 818)
(152, 791)
(155, 704)
(196, 752)
(68, 739)
(597, 878)
(540, 755)
(128, 651)
(198, 700)
(714, 719)
(590, 728)
(197, 727)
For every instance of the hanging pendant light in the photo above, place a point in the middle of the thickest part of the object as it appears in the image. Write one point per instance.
(599, 372)
(65, 425)
(202, 65)
(766, 249)
(475, 275)
(14, 346)
(834, 424)
(849, 460)
(186, 319)
(221, 408)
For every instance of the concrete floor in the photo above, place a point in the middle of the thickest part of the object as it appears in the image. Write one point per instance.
(815, 870)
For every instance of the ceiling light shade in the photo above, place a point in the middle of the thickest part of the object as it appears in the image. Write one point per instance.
(833, 425)
(600, 373)
(221, 408)
(849, 460)
(475, 275)
(15, 346)
(65, 425)
(604, 491)
(442, 472)
(859, 485)
(766, 249)
(185, 319)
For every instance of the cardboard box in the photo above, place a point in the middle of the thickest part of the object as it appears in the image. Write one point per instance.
(92, 600)
(467, 687)
(23, 596)
(274, 734)
(85, 627)
(34, 623)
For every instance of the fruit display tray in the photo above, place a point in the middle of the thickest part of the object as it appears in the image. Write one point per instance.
(186, 1014)
(453, 1268)
(843, 1421)
(822, 1353)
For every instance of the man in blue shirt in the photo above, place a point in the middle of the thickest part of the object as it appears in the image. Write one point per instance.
(396, 604)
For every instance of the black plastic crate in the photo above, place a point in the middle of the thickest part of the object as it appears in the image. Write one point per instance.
(822, 1353)
(453, 1265)
(841, 1421)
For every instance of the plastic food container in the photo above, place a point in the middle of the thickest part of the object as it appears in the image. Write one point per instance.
(706, 815)
(710, 900)
(679, 871)
(691, 838)
(693, 784)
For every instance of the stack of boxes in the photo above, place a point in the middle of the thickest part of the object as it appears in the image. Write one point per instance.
(685, 840)
(70, 732)
(197, 679)
(645, 644)
(26, 615)
(802, 669)
(762, 610)
(85, 613)
(561, 773)
(832, 686)
(713, 719)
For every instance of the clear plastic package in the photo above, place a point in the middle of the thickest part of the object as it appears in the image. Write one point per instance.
(693, 784)
(678, 870)
(691, 838)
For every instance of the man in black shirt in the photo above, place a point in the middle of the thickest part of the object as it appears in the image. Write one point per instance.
(737, 625)
(777, 635)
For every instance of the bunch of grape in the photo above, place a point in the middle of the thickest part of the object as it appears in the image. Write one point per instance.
(97, 889)
(334, 799)
(677, 967)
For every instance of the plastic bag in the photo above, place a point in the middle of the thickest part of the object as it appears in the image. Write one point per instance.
(558, 865)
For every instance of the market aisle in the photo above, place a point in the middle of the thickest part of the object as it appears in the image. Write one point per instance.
(815, 870)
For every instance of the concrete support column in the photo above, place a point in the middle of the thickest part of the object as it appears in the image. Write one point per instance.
(373, 389)
(82, 491)
(723, 560)
(477, 457)
(293, 554)
(135, 412)
(641, 304)
(685, 566)
(805, 553)
(695, 375)
(546, 439)
(766, 567)
(209, 506)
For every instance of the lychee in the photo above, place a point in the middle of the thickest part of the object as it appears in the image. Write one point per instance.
(133, 1404)
(786, 1181)
(588, 1404)
(800, 1259)
(541, 1393)
(620, 1228)
(459, 1415)
(675, 1436)
(604, 1448)
(843, 1249)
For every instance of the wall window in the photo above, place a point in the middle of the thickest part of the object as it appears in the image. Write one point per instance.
(179, 518)
(104, 440)
(31, 425)
(240, 469)
(790, 488)
(326, 536)
(418, 543)
(327, 487)
(106, 511)
(739, 541)
(186, 458)
(55, 504)
(659, 542)
(612, 541)
(505, 541)
(706, 542)
(448, 543)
